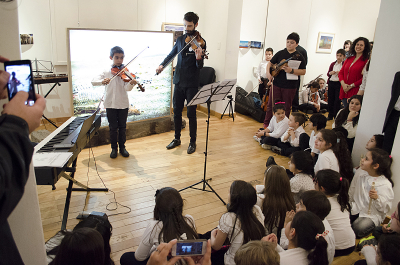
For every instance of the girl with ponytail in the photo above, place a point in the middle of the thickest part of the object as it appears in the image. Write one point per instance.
(242, 223)
(334, 153)
(168, 224)
(307, 244)
(336, 188)
(371, 192)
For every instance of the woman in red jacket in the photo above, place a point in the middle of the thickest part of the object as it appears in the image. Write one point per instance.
(350, 76)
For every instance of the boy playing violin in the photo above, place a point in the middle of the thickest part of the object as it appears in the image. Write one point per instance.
(116, 102)
(186, 80)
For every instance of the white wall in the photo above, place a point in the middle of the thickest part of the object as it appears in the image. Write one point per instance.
(24, 221)
(379, 87)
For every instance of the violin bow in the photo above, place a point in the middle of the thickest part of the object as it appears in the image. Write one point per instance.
(252, 90)
(178, 53)
(309, 83)
(126, 66)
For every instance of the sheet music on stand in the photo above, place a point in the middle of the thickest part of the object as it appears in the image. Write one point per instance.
(216, 91)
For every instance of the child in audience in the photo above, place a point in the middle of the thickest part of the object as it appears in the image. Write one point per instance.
(335, 187)
(275, 198)
(83, 246)
(334, 84)
(168, 223)
(257, 252)
(242, 223)
(318, 122)
(276, 128)
(307, 244)
(262, 72)
(334, 153)
(392, 228)
(315, 202)
(310, 100)
(371, 192)
(99, 223)
(376, 141)
(295, 138)
(387, 253)
(301, 165)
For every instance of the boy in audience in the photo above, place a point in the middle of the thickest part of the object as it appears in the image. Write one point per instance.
(318, 122)
(334, 84)
(295, 138)
(310, 100)
(257, 252)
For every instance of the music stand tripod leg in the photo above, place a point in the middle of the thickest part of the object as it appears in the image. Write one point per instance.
(229, 104)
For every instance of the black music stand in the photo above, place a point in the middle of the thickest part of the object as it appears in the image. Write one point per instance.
(207, 94)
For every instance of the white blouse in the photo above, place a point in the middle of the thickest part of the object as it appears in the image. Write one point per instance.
(359, 196)
(327, 160)
(277, 129)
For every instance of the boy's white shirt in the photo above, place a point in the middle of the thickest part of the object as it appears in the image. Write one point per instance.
(293, 142)
(116, 96)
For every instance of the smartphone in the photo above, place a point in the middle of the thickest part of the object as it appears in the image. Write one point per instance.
(21, 79)
(189, 248)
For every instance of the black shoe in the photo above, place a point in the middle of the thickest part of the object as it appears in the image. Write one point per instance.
(174, 144)
(323, 111)
(123, 152)
(270, 161)
(114, 153)
(276, 150)
(191, 148)
(329, 118)
(310, 112)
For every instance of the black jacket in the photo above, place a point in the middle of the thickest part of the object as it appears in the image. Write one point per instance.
(15, 157)
(394, 98)
(187, 70)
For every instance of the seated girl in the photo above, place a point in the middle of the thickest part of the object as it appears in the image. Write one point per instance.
(257, 252)
(376, 141)
(242, 223)
(276, 128)
(315, 202)
(348, 119)
(392, 228)
(335, 187)
(168, 224)
(318, 122)
(310, 100)
(307, 244)
(387, 252)
(334, 153)
(371, 193)
(275, 198)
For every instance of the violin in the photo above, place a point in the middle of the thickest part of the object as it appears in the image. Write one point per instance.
(196, 41)
(276, 68)
(314, 97)
(265, 98)
(126, 76)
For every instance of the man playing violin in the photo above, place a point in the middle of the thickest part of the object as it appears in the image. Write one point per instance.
(116, 102)
(285, 84)
(186, 80)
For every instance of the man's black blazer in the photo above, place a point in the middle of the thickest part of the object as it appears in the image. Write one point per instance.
(393, 99)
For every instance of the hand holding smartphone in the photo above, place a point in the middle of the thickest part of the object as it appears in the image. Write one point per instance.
(184, 248)
(21, 79)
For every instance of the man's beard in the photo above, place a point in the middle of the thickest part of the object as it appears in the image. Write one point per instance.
(190, 32)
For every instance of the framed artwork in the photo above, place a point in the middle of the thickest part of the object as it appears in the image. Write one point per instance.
(177, 28)
(325, 42)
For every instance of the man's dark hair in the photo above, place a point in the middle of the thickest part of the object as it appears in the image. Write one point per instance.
(191, 17)
(318, 120)
(269, 50)
(294, 36)
(341, 51)
(116, 49)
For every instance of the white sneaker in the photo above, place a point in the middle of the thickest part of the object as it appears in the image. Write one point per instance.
(266, 146)
(256, 138)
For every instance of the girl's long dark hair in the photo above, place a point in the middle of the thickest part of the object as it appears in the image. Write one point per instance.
(242, 199)
(367, 48)
(333, 184)
(168, 210)
(303, 161)
(341, 151)
(278, 197)
(381, 157)
(307, 225)
(342, 116)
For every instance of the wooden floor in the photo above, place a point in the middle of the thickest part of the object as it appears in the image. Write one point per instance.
(232, 154)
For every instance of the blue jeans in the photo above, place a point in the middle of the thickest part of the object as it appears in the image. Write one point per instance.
(362, 226)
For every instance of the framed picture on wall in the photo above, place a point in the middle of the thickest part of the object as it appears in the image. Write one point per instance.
(177, 28)
(325, 42)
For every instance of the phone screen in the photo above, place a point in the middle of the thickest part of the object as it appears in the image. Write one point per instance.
(189, 248)
(21, 79)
